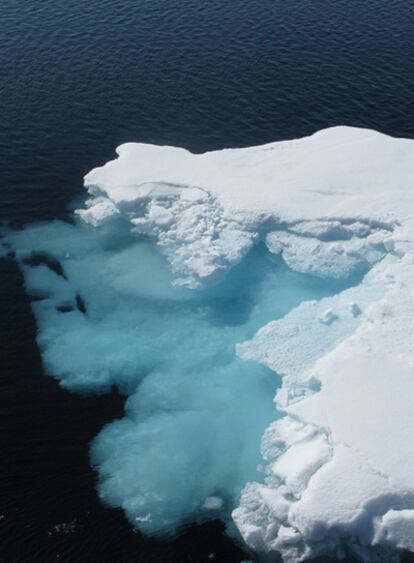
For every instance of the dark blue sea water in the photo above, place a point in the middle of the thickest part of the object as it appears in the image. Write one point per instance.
(78, 78)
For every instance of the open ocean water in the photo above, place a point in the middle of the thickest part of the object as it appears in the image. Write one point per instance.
(79, 77)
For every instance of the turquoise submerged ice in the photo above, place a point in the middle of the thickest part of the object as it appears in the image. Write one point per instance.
(195, 412)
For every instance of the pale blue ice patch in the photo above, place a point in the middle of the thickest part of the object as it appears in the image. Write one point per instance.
(108, 315)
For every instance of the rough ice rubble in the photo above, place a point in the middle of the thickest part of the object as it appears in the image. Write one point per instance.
(188, 224)
(339, 465)
(338, 470)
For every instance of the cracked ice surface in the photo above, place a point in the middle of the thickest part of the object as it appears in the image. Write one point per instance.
(339, 463)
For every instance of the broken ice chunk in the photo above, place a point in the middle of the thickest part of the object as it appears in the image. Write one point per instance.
(327, 317)
(212, 503)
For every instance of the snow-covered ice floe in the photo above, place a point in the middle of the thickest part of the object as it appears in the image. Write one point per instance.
(338, 458)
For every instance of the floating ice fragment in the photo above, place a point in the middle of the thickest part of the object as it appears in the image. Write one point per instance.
(212, 503)
(328, 316)
(143, 519)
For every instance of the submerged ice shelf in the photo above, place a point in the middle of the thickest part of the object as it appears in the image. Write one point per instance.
(187, 280)
(110, 316)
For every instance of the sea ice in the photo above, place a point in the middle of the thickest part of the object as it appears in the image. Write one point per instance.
(188, 279)
(109, 315)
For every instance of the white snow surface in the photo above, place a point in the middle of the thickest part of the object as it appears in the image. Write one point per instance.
(340, 463)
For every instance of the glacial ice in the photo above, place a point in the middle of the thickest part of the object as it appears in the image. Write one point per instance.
(188, 281)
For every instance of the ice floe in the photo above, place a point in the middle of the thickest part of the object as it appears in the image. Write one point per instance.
(339, 462)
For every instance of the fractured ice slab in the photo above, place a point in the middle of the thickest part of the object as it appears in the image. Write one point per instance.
(327, 259)
(169, 294)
